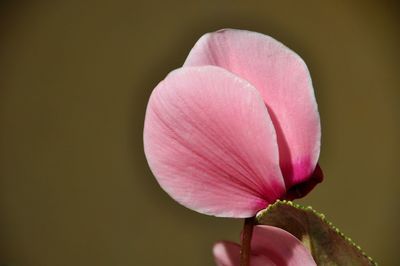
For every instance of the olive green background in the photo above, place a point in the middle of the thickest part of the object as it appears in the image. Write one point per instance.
(75, 188)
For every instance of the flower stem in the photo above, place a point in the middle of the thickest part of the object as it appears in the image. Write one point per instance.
(246, 241)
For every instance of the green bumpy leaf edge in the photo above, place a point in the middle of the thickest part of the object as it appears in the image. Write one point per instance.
(326, 243)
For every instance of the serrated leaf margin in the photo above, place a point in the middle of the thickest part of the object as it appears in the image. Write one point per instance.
(321, 216)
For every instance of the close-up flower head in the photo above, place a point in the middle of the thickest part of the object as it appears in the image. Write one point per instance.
(236, 128)
(199, 133)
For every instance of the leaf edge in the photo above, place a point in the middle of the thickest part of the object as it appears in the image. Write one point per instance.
(260, 214)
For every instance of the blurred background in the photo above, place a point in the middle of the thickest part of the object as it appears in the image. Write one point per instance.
(75, 188)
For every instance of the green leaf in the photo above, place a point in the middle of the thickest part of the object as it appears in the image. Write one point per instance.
(326, 243)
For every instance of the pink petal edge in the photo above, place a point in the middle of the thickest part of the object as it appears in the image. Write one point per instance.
(284, 82)
(226, 253)
(269, 246)
(210, 143)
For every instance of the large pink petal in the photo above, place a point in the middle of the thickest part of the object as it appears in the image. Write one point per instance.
(269, 246)
(211, 144)
(280, 247)
(284, 82)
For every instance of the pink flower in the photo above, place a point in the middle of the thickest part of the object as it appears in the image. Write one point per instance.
(269, 246)
(236, 128)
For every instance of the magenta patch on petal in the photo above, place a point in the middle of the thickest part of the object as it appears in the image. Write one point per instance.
(301, 189)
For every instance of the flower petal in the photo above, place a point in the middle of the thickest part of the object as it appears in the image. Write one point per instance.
(226, 253)
(269, 246)
(284, 82)
(211, 144)
(279, 246)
